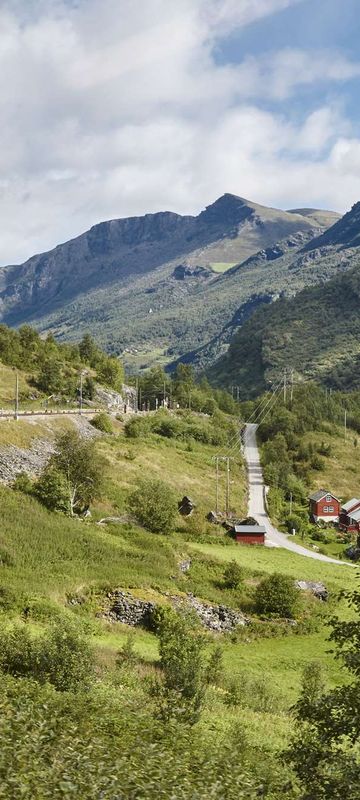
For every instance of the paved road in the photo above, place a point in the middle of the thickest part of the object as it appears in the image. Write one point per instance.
(274, 538)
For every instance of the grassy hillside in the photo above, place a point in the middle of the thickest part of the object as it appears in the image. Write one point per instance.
(56, 570)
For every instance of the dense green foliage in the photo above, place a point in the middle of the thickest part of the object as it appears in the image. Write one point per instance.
(102, 422)
(60, 656)
(180, 690)
(55, 367)
(233, 575)
(325, 749)
(154, 505)
(277, 595)
(73, 476)
(317, 332)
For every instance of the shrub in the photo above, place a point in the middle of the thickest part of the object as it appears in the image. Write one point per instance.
(61, 656)
(277, 595)
(294, 522)
(181, 690)
(102, 422)
(23, 483)
(51, 489)
(233, 575)
(154, 505)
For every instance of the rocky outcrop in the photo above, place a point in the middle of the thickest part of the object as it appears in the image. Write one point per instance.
(221, 619)
(124, 607)
(314, 587)
(116, 401)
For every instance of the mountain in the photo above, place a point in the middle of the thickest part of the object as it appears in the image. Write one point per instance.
(316, 334)
(153, 285)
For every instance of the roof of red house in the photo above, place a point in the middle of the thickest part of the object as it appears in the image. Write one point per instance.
(250, 529)
(353, 503)
(322, 493)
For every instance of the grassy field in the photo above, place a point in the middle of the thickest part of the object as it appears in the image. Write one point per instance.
(222, 266)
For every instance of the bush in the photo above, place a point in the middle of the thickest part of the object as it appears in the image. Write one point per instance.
(294, 522)
(277, 595)
(23, 483)
(61, 656)
(51, 489)
(233, 575)
(154, 505)
(102, 422)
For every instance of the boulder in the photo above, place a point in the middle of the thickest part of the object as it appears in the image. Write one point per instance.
(353, 552)
(314, 587)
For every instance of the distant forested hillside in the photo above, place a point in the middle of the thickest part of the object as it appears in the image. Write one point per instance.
(316, 334)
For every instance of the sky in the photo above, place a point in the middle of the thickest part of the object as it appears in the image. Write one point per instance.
(113, 108)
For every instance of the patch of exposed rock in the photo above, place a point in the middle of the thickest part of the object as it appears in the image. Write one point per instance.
(14, 460)
(115, 401)
(125, 608)
(314, 587)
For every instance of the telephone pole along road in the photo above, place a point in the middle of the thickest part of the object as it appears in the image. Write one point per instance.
(274, 538)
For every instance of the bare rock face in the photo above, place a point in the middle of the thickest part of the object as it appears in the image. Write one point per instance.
(130, 610)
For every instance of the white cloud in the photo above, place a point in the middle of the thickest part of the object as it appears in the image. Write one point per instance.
(117, 107)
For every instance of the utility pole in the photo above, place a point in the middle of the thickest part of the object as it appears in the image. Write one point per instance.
(227, 505)
(16, 415)
(81, 392)
(291, 502)
(292, 385)
(285, 385)
(238, 393)
(345, 424)
(217, 483)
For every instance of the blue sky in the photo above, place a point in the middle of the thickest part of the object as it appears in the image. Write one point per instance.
(113, 108)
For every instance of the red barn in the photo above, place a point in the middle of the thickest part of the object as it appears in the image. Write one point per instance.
(324, 506)
(249, 534)
(350, 516)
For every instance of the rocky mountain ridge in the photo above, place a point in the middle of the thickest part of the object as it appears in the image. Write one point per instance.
(151, 283)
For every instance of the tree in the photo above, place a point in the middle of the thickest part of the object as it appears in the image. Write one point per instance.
(325, 747)
(89, 351)
(154, 505)
(78, 466)
(49, 377)
(233, 575)
(181, 648)
(111, 372)
(277, 595)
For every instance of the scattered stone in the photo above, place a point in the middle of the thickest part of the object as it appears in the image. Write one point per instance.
(114, 520)
(186, 506)
(213, 617)
(185, 565)
(315, 587)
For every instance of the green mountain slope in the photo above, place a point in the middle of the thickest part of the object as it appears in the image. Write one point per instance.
(147, 284)
(316, 333)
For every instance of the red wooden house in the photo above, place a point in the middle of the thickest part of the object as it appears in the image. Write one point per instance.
(350, 516)
(249, 534)
(324, 506)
